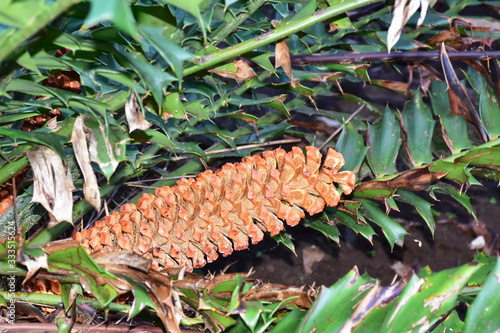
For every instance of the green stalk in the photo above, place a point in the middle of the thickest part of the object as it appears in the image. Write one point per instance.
(11, 41)
(9, 170)
(272, 36)
(55, 300)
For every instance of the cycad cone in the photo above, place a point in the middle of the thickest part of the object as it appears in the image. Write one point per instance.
(188, 224)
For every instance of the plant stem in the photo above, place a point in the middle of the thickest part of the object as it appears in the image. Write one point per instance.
(55, 300)
(274, 35)
(350, 57)
(11, 41)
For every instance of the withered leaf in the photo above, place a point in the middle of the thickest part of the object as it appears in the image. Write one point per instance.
(378, 297)
(242, 73)
(402, 87)
(401, 14)
(82, 154)
(159, 287)
(33, 264)
(279, 292)
(448, 35)
(52, 183)
(123, 258)
(460, 102)
(283, 58)
(134, 115)
(414, 180)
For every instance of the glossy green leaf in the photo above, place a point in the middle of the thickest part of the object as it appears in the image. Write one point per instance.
(43, 137)
(285, 239)
(67, 98)
(489, 105)
(459, 196)
(305, 10)
(172, 105)
(454, 170)
(482, 315)
(195, 8)
(141, 297)
(116, 11)
(419, 129)
(423, 207)
(106, 145)
(343, 297)
(489, 157)
(351, 145)
(451, 324)
(289, 323)
(425, 300)
(359, 227)
(489, 110)
(384, 140)
(173, 54)
(77, 259)
(155, 79)
(392, 230)
(327, 229)
(252, 314)
(454, 127)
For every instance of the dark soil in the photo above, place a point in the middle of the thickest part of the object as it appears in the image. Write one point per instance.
(321, 261)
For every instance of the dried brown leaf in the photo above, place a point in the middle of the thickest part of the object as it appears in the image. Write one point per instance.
(243, 72)
(426, 73)
(134, 115)
(159, 287)
(32, 264)
(52, 183)
(82, 154)
(278, 292)
(402, 87)
(414, 180)
(123, 258)
(448, 35)
(377, 297)
(94, 148)
(283, 59)
(402, 12)
(478, 24)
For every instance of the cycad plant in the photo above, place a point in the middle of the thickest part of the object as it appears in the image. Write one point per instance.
(95, 95)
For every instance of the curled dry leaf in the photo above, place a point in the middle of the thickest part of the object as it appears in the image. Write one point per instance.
(278, 292)
(402, 12)
(283, 59)
(82, 154)
(189, 224)
(130, 267)
(448, 35)
(377, 297)
(414, 180)
(134, 115)
(240, 72)
(33, 264)
(52, 183)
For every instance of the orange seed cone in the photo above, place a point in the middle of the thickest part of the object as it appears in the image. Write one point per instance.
(188, 224)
